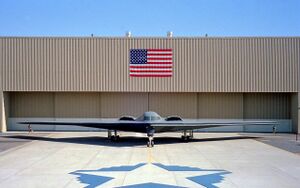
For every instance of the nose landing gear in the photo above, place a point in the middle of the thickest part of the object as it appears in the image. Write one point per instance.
(187, 135)
(114, 137)
(150, 143)
(150, 134)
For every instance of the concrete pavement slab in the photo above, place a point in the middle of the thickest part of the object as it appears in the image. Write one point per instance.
(88, 159)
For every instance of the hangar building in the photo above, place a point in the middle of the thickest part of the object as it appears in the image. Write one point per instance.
(53, 78)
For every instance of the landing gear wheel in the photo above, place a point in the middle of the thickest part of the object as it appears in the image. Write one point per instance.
(150, 144)
(185, 138)
(115, 138)
(112, 138)
(150, 134)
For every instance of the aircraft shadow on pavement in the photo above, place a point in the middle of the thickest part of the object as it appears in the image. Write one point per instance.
(124, 141)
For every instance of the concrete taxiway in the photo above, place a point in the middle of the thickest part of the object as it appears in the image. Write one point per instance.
(88, 159)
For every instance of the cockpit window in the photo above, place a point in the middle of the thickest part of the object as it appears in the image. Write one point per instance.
(149, 116)
(156, 118)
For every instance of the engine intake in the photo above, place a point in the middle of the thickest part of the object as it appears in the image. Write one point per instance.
(127, 118)
(173, 118)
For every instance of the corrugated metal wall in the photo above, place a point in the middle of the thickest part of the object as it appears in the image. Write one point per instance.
(101, 64)
(186, 105)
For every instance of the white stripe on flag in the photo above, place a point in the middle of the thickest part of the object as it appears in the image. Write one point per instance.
(162, 61)
(158, 52)
(159, 56)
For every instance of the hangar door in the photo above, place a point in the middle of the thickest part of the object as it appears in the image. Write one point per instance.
(52, 106)
(95, 105)
(72, 106)
(114, 105)
(166, 104)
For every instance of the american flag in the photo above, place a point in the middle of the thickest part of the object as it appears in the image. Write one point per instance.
(150, 62)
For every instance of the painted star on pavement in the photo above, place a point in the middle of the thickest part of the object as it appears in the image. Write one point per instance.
(151, 175)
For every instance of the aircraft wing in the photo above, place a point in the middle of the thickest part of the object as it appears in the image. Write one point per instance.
(159, 126)
(109, 124)
(192, 124)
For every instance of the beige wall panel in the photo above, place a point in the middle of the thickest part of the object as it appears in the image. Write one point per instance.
(114, 105)
(181, 104)
(3, 112)
(31, 104)
(77, 105)
(220, 105)
(233, 64)
(7, 105)
(267, 105)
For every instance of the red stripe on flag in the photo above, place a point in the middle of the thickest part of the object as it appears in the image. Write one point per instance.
(150, 70)
(151, 75)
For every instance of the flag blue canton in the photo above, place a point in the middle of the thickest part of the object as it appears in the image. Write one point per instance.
(138, 56)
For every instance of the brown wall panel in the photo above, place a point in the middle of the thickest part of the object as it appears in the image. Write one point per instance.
(114, 105)
(267, 106)
(233, 64)
(31, 104)
(77, 105)
(298, 113)
(294, 111)
(166, 104)
(220, 105)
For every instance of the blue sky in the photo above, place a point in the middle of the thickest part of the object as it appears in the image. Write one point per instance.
(150, 17)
